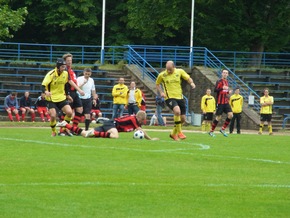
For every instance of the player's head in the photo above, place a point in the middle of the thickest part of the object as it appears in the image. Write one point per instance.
(141, 116)
(60, 64)
(237, 90)
(68, 59)
(225, 73)
(170, 66)
(121, 80)
(266, 91)
(13, 95)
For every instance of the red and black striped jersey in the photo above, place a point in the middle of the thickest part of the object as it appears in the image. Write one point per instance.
(222, 95)
(127, 123)
(72, 77)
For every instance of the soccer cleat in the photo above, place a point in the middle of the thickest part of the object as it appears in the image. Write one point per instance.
(224, 133)
(90, 133)
(61, 134)
(260, 133)
(174, 137)
(53, 134)
(270, 133)
(211, 134)
(61, 124)
(181, 135)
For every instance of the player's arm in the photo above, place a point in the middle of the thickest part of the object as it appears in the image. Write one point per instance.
(191, 83)
(82, 93)
(146, 136)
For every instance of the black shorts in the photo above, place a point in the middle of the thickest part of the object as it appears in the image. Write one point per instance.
(266, 117)
(208, 116)
(172, 102)
(87, 105)
(107, 125)
(76, 100)
(57, 105)
(223, 108)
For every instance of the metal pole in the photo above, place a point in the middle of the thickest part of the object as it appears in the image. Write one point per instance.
(103, 33)
(191, 35)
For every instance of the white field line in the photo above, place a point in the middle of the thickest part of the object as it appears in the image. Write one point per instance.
(176, 151)
(133, 184)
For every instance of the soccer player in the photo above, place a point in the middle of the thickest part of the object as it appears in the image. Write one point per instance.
(76, 103)
(26, 106)
(54, 84)
(223, 106)
(208, 106)
(96, 111)
(266, 111)
(119, 93)
(111, 128)
(11, 105)
(171, 79)
(236, 102)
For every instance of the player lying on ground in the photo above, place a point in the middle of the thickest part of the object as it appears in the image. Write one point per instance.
(111, 128)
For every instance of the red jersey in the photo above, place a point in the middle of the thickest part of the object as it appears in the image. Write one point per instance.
(127, 123)
(73, 77)
(222, 95)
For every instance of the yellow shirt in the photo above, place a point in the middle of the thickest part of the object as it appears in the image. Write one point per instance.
(266, 109)
(172, 83)
(137, 95)
(208, 104)
(119, 93)
(236, 102)
(55, 84)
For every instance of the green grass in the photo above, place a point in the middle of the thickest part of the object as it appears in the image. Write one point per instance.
(239, 176)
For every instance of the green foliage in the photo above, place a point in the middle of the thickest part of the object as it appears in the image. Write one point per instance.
(10, 20)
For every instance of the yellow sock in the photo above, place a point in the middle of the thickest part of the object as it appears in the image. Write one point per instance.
(177, 122)
(67, 119)
(52, 125)
(208, 126)
(174, 131)
(203, 126)
(270, 129)
(261, 128)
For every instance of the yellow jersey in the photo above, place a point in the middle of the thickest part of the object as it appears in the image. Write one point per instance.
(266, 109)
(172, 82)
(119, 93)
(208, 104)
(55, 84)
(236, 102)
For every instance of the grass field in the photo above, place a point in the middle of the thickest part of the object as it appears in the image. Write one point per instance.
(240, 176)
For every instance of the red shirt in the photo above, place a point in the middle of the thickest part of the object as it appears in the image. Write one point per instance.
(222, 95)
(73, 77)
(127, 123)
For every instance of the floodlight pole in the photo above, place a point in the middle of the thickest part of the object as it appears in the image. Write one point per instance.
(191, 35)
(103, 33)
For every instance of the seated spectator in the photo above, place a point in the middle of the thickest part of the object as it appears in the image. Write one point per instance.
(11, 105)
(96, 112)
(40, 106)
(26, 107)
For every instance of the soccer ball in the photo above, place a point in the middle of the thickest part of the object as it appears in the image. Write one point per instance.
(138, 134)
(94, 122)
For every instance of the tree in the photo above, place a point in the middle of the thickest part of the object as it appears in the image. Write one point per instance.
(10, 20)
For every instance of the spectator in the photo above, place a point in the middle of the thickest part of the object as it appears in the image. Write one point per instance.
(160, 104)
(171, 81)
(41, 107)
(87, 84)
(119, 93)
(11, 106)
(236, 102)
(134, 98)
(96, 111)
(208, 107)
(26, 107)
(111, 128)
(223, 106)
(266, 111)
(56, 93)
